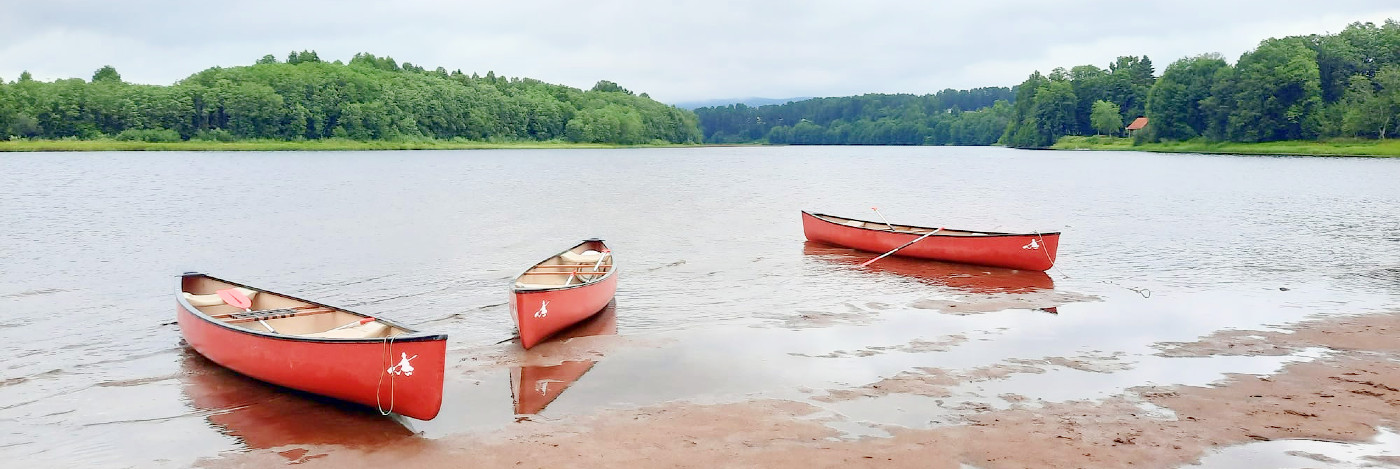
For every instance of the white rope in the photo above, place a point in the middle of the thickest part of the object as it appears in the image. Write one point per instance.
(388, 354)
(1146, 293)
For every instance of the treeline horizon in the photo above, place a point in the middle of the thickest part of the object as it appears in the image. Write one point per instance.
(1294, 88)
(870, 119)
(306, 98)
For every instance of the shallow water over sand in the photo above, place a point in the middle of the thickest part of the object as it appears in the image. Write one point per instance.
(720, 298)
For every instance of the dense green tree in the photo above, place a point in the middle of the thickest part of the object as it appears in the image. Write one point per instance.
(1090, 85)
(1175, 108)
(1130, 79)
(1054, 110)
(605, 86)
(1277, 93)
(1023, 131)
(301, 57)
(106, 74)
(1372, 107)
(1106, 119)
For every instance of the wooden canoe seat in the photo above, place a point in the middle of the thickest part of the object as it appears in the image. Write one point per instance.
(362, 331)
(213, 299)
(587, 257)
(265, 314)
(855, 223)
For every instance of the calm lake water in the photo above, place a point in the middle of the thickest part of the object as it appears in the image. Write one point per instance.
(720, 298)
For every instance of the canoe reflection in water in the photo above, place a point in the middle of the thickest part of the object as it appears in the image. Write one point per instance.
(965, 277)
(534, 387)
(264, 416)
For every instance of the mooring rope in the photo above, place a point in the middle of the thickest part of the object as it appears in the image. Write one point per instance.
(388, 356)
(1146, 293)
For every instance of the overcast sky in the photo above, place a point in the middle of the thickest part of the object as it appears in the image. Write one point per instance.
(675, 51)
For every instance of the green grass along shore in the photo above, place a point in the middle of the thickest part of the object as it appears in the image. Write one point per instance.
(1344, 147)
(283, 145)
(1336, 147)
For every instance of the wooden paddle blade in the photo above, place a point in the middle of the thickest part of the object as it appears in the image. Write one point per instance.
(235, 298)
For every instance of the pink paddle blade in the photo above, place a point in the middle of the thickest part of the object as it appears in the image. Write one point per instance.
(235, 298)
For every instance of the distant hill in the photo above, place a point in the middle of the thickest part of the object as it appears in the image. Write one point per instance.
(751, 102)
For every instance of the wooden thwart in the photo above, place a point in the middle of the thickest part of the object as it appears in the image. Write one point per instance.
(245, 313)
(275, 314)
(578, 266)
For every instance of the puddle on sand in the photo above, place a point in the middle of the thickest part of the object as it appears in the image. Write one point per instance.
(1382, 451)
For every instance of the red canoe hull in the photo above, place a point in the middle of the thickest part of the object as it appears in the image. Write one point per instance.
(1034, 251)
(354, 370)
(566, 307)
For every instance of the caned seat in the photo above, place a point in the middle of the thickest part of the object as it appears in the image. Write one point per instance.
(587, 257)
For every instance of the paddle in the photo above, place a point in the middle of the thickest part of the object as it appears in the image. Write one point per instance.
(882, 217)
(882, 256)
(237, 299)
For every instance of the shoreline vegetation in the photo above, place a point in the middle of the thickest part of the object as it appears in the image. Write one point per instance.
(331, 144)
(1317, 94)
(1320, 94)
(370, 99)
(1333, 147)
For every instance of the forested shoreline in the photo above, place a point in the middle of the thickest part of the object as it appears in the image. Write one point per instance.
(1344, 85)
(1297, 88)
(872, 119)
(368, 99)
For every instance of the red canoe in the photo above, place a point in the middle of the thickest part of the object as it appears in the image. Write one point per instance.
(312, 347)
(562, 290)
(534, 387)
(1034, 251)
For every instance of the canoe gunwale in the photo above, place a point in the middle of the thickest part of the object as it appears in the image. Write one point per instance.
(413, 335)
(827, 218)
(517, 290)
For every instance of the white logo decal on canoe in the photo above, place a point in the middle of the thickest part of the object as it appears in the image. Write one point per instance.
(403, 367)
(542, 386)
(544, 309)
(1032, 245)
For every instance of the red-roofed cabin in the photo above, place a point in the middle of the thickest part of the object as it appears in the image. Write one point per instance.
(1137, 125)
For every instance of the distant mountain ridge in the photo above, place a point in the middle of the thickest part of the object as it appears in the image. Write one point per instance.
(751, 102)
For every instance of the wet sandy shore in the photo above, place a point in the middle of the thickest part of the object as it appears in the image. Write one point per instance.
(1348, 393)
